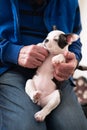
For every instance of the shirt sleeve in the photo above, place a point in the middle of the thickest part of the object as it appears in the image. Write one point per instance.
(76, 46)
(9, 52)
(9, 46)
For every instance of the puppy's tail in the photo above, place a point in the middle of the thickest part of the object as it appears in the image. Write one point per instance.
(54, 27)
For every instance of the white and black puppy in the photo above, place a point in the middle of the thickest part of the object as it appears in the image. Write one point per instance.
(41, 88)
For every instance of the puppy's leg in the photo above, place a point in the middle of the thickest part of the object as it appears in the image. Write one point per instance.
(31, 91)
(50, 102)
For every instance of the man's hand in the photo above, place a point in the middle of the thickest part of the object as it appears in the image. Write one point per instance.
(64, 70)
(32, 56)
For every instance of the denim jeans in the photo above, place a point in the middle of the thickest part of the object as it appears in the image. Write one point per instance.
(17, 110)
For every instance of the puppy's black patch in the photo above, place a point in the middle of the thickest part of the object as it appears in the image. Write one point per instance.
(58, 85)
(62, 42)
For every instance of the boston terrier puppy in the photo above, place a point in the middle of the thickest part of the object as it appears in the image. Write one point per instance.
(41, 89)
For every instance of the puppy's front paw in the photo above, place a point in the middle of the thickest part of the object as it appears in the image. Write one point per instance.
(58, 59)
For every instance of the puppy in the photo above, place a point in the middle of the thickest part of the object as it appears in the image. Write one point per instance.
(41, 88)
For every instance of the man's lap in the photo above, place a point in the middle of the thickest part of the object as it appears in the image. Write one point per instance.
(17, 110)
(68, 115)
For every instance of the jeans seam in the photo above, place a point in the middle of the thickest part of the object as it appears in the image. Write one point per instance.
(1, 120)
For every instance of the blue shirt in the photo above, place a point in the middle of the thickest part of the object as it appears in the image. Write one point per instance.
(32, 31)
(16, 32)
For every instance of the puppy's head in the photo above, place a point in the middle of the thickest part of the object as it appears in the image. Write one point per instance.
(57, 41)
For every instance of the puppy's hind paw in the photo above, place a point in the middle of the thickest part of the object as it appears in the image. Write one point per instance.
(39, 116)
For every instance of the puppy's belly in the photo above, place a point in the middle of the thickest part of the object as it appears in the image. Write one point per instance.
(44, 84)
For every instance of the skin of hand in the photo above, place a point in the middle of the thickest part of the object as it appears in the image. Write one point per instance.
(62, 71)
(32, 56)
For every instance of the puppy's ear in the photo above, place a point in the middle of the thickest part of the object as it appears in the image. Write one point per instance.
(71, 38)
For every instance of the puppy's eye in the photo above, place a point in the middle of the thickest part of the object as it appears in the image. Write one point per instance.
(56, 40)
(46, 40)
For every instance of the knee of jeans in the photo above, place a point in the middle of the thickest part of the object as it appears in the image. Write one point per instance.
(20, 115)
(21, 120)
